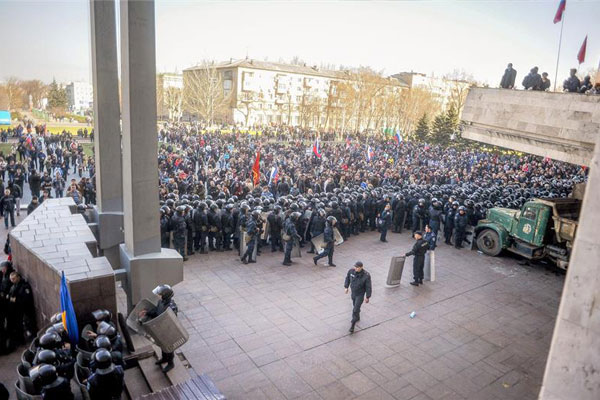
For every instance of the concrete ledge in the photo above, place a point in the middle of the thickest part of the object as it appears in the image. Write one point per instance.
(563, 126)
(109, 228)
(145, 272)
(52, 239)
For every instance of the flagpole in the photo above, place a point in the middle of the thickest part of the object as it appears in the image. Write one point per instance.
(562, 22)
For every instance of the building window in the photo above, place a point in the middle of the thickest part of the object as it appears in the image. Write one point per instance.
(227, 84)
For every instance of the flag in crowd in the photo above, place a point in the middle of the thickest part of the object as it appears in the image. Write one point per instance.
(348, 142)
(370, 153)
(274, 175)
(316, 148)
(581, 54)
(256, 169)
(398, 137)
(69, 319)
(561, 9)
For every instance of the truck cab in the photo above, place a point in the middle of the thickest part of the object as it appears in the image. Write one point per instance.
(542, 227)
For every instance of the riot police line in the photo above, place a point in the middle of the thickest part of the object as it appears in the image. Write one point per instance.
(95, 360)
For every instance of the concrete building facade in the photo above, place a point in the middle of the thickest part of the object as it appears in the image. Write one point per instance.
(267, 93)
(169, 95)
(443, 89)
(80, 96)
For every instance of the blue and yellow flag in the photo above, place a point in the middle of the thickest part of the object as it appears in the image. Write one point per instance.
(68, 312)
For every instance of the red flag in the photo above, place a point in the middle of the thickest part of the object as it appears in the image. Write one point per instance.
(256, 169)
(561, 9)
(581, 54)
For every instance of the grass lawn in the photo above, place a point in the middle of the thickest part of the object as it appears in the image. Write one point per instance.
(88, 148)
(56, 130)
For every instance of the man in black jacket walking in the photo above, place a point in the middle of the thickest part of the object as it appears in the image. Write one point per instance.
(419, 249)
(359, 282)
(7, 206)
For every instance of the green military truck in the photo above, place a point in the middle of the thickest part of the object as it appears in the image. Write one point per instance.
(543, 228)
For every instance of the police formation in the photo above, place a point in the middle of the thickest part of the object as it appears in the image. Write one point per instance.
(258, 221)
(95, 363)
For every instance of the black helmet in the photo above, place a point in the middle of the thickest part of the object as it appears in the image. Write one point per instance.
(102, 342)
(103, 360)
(101, 315)
(57, 327)
(295, 216)
(106, 329)
(334, 204)
(46, 357)
(163, 291)
(7, 264)
(229, 207)
(50, 341)
(332, 220)
(462, 208)
(277, 209)
(455, 203)
(421, 202)
(202, 205)
(180, 209)
(47, 374)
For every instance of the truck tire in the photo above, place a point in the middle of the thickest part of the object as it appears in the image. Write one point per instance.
(488, 242)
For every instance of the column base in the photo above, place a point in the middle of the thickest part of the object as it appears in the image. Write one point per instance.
(109, 229)
(146, 272)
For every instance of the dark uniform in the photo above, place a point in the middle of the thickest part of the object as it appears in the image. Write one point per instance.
(399, 208)
(290, 232)
(166, 301)
(227, 224)
(360, 285)
(317, 227)
(165, 230)
(328, 238)
(449, 224)
(21, 313)
(201, 228)
(275, 226)
(251, 231)
(215, 229)
(418, 251)
(179, 232)
(460, 228)
(385, 219)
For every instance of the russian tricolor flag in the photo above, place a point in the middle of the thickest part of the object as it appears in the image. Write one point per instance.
(274, 176)
(398, 138)
(370, 153)
(316, 149)
(561, 9)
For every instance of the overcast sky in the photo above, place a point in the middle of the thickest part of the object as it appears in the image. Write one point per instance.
(47, 39)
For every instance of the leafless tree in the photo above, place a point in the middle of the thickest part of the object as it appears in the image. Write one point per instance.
(460, 82)
(203, 92)
(12, 93)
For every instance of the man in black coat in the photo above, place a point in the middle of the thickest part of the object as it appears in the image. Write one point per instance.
(201, 227)
(418, 251)
(461, 220)
(7, 206)
(290, 234)
(399, 210)
(359, 282)
(449, 221)
(317, 226)
(35, 183)
(179, 231)
(508, 79)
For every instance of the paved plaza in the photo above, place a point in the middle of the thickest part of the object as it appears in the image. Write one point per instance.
(265, 331)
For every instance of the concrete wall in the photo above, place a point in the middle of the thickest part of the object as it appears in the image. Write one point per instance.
(52, 239)
(562, 126)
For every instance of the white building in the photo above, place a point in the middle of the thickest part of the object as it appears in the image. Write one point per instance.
(80, 96)
(442, 88)
(274, 93)
(169, 96)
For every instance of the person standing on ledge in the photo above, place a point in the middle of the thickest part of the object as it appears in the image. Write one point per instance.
(359, 282)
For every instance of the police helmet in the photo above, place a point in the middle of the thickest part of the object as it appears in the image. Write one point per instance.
(332, 220)
(107, 329)
(102, 342)
(50, 341)
(47, 374)
(165, 292)
(101, 315)
(46, 357)
(295, 216)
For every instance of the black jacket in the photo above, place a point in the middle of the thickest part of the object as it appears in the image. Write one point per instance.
(358, 282)
(419, 249)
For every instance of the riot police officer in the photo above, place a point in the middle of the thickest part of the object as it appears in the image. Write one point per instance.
(179, 231)
(165, 292)
(215, 229)
(418, 251)
(399, 210)
(385, 219)
(189, 225)
(54, 387)
(329, 239)
(252, 233)
(317, 226)
(228, 226)
(419, 215)
(107, 380)
(435, 215)
(165, 227)
(21, 312)
(289, 235)
(460, 227)
(200, 227)
(275, 226)
(449, 222)
(359, 282)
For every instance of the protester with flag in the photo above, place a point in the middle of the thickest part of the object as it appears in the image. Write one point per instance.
(370, 153)
(316, 149)
(256, 169)
(398, 138)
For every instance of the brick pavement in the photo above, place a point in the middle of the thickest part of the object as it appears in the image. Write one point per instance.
(265, 331)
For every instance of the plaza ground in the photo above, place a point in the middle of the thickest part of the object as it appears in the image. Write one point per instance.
(265, 331)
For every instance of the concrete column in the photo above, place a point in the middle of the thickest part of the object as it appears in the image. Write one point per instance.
(573, 366)
(146, 263)
(107, 141)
